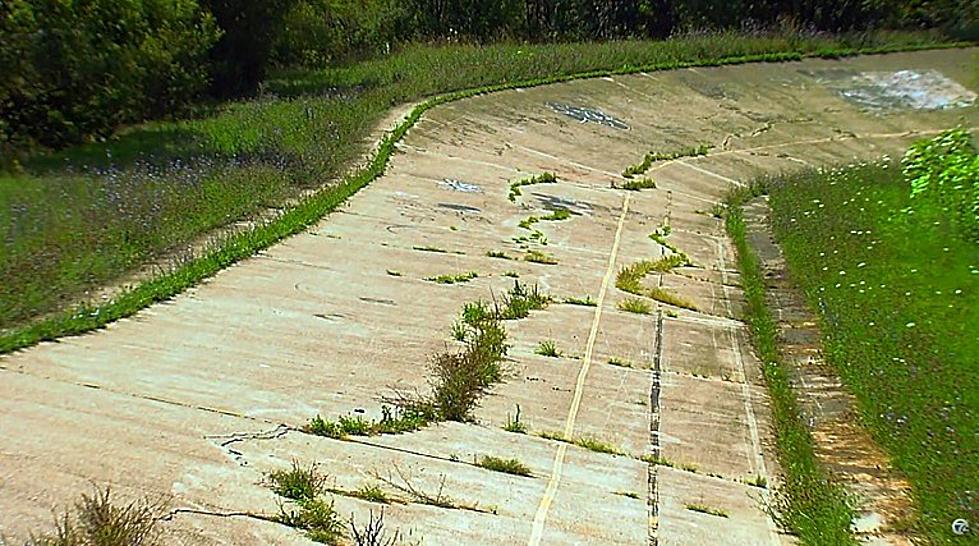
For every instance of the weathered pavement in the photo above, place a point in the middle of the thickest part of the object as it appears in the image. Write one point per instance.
(188, 398)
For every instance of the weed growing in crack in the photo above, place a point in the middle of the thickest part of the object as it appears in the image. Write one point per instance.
(303, 485)
(629, 279)
(657, 460)
(96, 520)
(316, 517)
(588, 442)
(543, 178)
(498, 254)
(538, 257)
(586, 301)
(652, 157)
(453, 279)
(511, 274)
(637, 185)
(393, 421)
(458, 380)
(298, 483)
(704, 509)
(757, 481)
(372, 493)
(636, 305)
(628, 494)
(515, 425)
(506, 466)
(548, 348)
(664, 296)
(620, 362)
(394, 273)
(519, 301)
(557, 215)
(596, 445)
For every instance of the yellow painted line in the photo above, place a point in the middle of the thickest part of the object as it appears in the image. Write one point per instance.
(540, 519)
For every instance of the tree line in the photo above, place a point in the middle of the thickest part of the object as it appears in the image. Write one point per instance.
(78, 69)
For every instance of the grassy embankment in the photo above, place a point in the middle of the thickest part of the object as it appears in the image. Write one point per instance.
(897, 290)
(86, 216)
(899, 302)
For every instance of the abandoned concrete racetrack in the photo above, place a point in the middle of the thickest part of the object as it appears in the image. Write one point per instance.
(197, 397)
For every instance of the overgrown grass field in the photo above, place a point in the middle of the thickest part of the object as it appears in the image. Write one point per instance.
(84, 217)
(898, 295)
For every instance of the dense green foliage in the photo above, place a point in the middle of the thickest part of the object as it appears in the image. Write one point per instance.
(898, 296)
(74, 69)
(808, 502)
(944, 177)
(79, 69)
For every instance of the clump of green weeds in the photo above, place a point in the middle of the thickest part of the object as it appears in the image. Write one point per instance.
(588, 442)
(394, 273)
(506, 466)
(498, 254)
(638, 184)
(394, 420)
(548, 348)
(97, 520)
(629, 494)
(519, 301)
(317, 518)
(557, 215)
(585, 301)
(454, 279)
(636, 305)
(620, 362)
(372, 493)
(704, 509)
(758, 481)
(459, 379)
(629, 279)
(511, 274)
(304, 485)
(652, 157)
(538, 257)
(660, 236)
(543, 178)
(298, 482)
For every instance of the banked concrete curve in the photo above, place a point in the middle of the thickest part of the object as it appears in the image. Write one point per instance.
(196, 398)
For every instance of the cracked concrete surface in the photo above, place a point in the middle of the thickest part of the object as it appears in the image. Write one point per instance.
(198, 396)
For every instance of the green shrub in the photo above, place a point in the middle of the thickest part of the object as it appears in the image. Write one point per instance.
(944, 176)
(73, 70)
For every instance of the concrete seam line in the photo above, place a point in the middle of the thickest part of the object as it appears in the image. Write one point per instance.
(540, 519)
(759, 458)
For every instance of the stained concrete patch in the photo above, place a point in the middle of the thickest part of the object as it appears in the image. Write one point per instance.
(902, 89)
(587, 115)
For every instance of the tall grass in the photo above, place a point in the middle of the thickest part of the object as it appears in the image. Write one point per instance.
(86, 216)
(898, 298)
